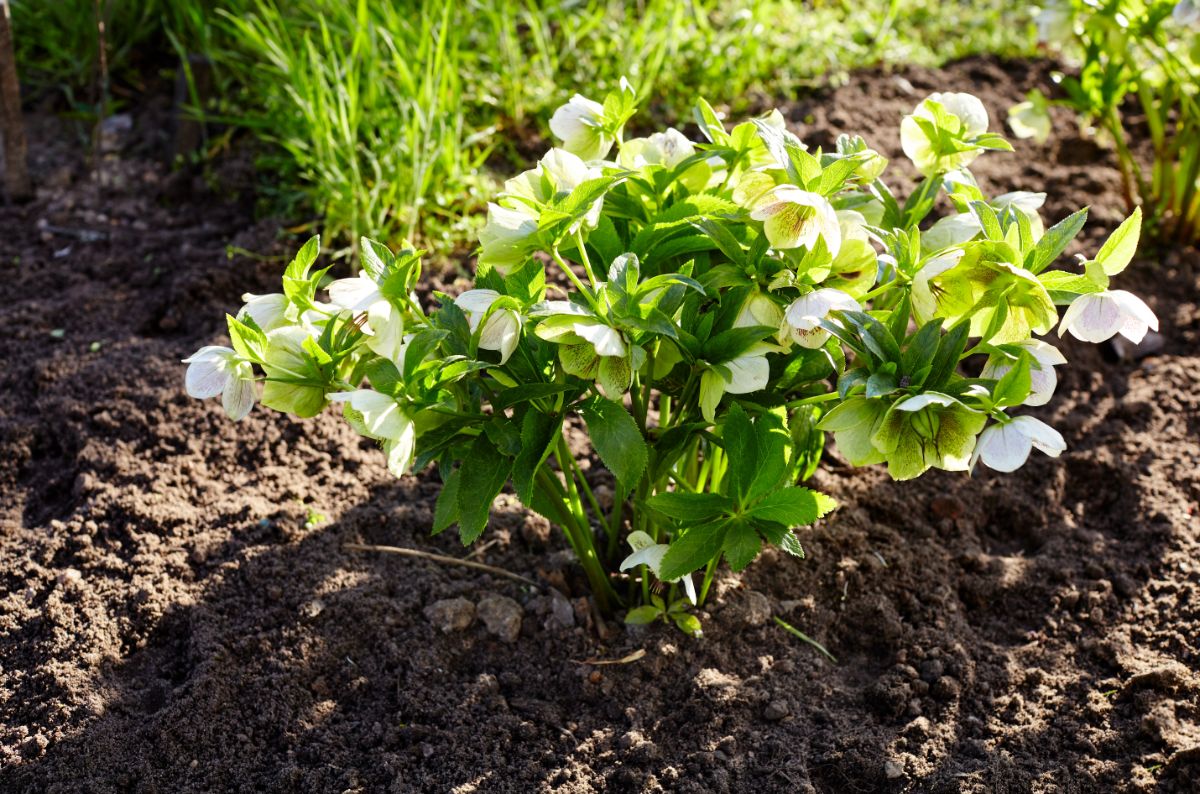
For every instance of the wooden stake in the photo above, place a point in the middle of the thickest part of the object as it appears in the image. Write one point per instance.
(12, 125)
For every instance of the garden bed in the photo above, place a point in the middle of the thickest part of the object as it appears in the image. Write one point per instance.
(179, 613)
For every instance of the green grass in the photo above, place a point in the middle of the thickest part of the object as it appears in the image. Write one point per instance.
(395, 119)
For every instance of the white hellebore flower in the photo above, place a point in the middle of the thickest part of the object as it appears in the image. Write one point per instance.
(385, 325)
(508, 236)
(1030, 119)
(267, 311)
(1042, 378)
(667, 149)
(793, 218)
(1006, 447)
(579, 124)
(1098, 316)
(972, 120)
(1187, 13)
(1054, 22)
(378, 416)
(963, 227)
(760, 309)
(748, 373)
(805, 314)
(647, 552)
(557, 174)
(502, 329)
(214, 370)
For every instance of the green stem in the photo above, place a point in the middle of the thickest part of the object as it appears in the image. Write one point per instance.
(580, 540)
(587, 293)
(587, 265)
(820, 398)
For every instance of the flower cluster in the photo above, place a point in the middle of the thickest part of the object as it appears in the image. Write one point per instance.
(709, 309)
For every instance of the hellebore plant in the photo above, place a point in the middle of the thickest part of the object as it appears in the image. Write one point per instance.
(707, 311)
(1143, 50)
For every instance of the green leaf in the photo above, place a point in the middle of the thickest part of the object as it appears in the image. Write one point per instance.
(423, 343)
(1055, 241)
(791, 544)
(445, 512)
(794, 506)
(617, 440)
(640, 616)
(692, 550)
(304, 259)
(730, 344)
(690, 506)
(525, 392)
(737, 433)
(539, 433)
(484, 472)
(376, 258)
(1120, 247)
(742, 544)
(687, 623)
(772, 443)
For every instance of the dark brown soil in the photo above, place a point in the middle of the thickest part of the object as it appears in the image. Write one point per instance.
(176, 616)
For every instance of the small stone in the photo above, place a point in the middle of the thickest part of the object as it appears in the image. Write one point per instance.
(776, 710)
(892, 770)
(313, 608)
(450, 614)
(70, 576)
(502, 616)
(755, 608)
(562, 614)
(604, 497)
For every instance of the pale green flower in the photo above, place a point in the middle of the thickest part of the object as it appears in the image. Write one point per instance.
(267, 311)
(508, 237)
(1030, 119)
(291, 386)
(937, 135)
(929, 430)
(793, 218)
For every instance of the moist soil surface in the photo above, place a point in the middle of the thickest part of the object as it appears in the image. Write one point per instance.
(180, 613)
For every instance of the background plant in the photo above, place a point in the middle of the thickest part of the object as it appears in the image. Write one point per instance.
(380, 117)
(727, 303)
(1143, 54)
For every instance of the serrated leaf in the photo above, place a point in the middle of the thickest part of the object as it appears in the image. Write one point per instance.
(690, 506)
(793, 507)
(617, 440)
(445, 512)
(539, 433)
(483, 474)
(692, 550)
(742, 544)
